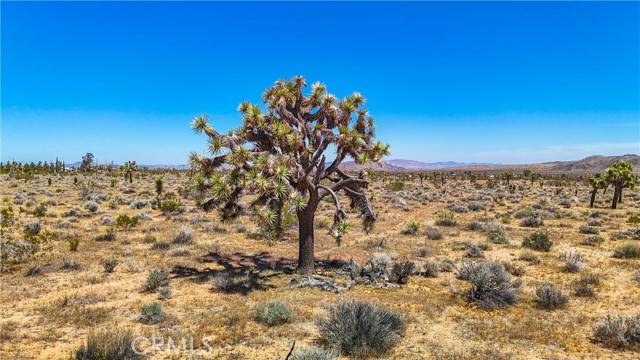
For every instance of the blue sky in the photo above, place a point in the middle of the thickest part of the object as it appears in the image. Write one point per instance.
(471, 82)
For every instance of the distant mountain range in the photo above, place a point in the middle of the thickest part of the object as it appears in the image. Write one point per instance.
(591, 164)
(403, 164)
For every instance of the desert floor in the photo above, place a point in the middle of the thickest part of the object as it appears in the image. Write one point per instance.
(48, 315)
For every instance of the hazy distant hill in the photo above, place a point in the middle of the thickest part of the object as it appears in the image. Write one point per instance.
(407, 165)
(591, 164)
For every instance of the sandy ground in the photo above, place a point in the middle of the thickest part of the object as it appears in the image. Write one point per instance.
(49, 315)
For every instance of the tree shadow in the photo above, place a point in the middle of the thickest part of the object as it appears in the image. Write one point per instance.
(242, 273)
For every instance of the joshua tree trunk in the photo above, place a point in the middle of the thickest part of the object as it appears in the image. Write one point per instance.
(620, 196)
(616, 197)
(593, 196)
(306, 242)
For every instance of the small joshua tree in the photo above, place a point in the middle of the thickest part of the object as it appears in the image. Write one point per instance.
(597, 182)
(128, 169)
(620, 175)
(159, 186)
(279, 155)
(87, 162)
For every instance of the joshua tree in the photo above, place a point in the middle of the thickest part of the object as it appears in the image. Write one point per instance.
(619, 175)
(597, 182)
(128, 168)
(279, 155)
(158, 190)
(87, 162)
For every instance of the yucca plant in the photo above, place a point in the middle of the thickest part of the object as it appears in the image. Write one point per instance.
(280, 154)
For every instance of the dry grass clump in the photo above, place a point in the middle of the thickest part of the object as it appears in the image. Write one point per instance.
(108, 345)
(360, 329)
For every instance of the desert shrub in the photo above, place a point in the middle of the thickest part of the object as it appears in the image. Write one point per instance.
(583, 286)
(360, 329)
(401, 271)
(69, 264)
(313, 354)
(627, 251)
(619, 332)
(170, 203)
(108, 345)
(184, 236)
(539, 240)
(138, 204)
(91, 206)
(31, 229)
(431, 269)
(411, 228)
(164, 292)
(109, 265)
(73, 241)
(573, 261)
(458, 208)
(108, 236)
(434, 233)
(40, 210)
(126, 222)
(424, 251)
(395, 185)
(222, 282)
(151, 313)
(497, 237)
(33, 271)
(474, 206)
(14, 252)
(274, 313)
(445, 218)
(474, 226)
(592, 240)
(633, 219)
(473, 251)
(156, 278)
(160, 245)
(549, 297)
(376, 244)
(595, 222)
(586, 229)
(636, 276)
(532, 221)
(447, 265)
(491, 284)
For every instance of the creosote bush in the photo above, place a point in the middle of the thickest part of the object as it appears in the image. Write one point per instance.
(549, 297)
(539, 240)
(108, 345)
(360, 329)
(497, 237)
(618, 332)
(274, 313)
(491, 284)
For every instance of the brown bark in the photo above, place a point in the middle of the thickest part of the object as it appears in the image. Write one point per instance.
(616, 197)
(306, 241)
(593, 196)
